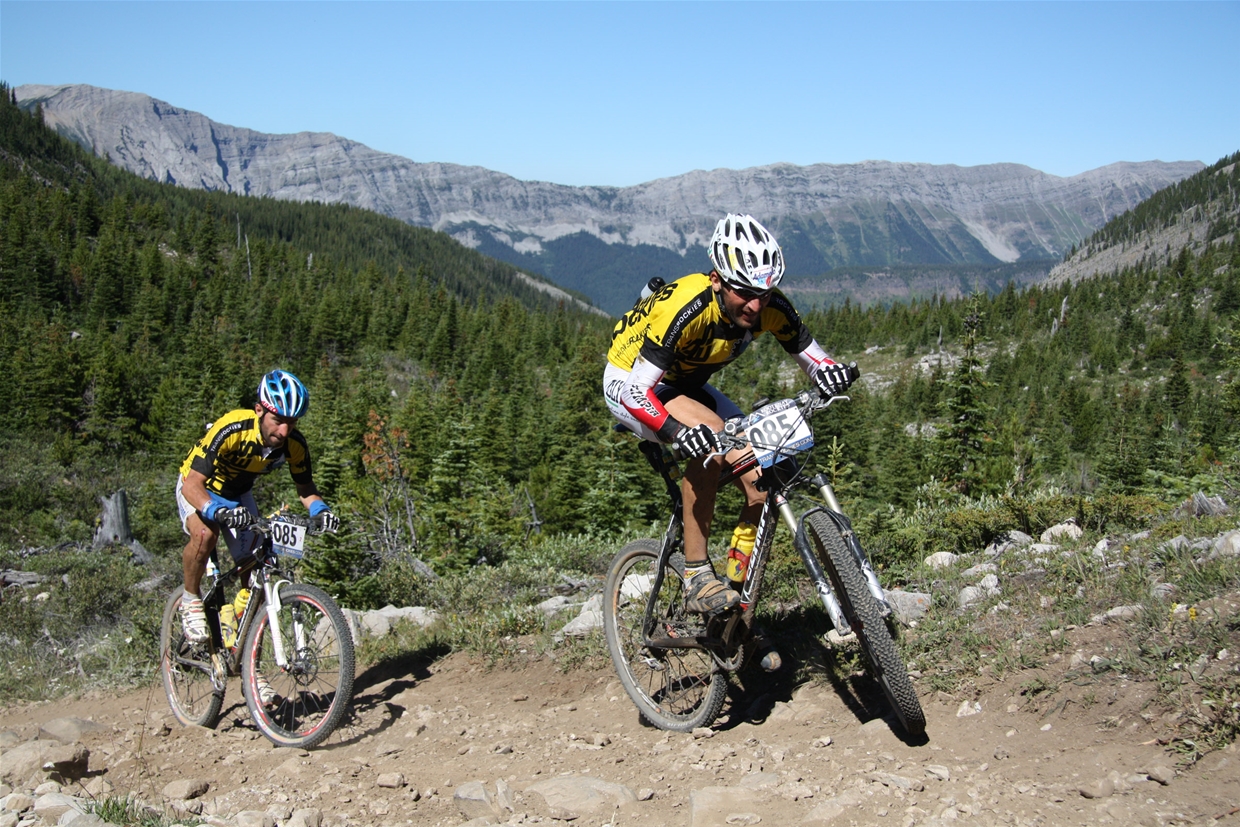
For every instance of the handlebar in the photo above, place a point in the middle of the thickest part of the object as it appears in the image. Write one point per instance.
(733, 435)
(312, 525)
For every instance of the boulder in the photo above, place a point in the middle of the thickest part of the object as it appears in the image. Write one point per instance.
(941, 560)
(34, 760)
(68, 730)
(908, 606)
(474, 801)
(52, 806)
(1067, 530)
(254, 818)
(1228, 545)
(552, 606)
(720, 806)
(306, 817)
(591, 618)
(70, 761)
(583, 795)
(184, 789)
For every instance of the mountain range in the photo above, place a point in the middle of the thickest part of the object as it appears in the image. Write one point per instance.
(605, 241)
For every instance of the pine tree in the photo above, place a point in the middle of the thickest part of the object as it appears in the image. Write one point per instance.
(963, 441)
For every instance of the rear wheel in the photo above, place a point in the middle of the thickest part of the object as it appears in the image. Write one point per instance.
(186, 671)
(307, 698)
(863, 612)
(674, 689)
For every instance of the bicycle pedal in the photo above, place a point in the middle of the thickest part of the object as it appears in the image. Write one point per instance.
(836, 639)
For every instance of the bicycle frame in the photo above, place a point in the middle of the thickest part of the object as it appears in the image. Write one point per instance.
(776, 481)
(265, 580)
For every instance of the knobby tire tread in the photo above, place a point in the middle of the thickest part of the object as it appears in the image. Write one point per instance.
(301, 718)
(192, 696)
(694, 669)
(863, 612)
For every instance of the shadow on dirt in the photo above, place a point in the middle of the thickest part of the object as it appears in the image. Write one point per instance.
(374, 689)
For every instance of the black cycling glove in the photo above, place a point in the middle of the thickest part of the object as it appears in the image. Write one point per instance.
(696, 442)
(833, 378)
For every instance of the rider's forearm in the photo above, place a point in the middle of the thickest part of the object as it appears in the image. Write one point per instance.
(638, 397)
(812, 358)
(194, 490)
(308, 493)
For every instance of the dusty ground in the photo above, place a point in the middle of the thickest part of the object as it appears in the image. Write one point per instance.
(788, 754)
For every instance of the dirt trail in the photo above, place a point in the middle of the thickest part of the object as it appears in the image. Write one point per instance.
(781, 754)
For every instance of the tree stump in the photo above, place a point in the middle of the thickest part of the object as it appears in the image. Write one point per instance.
(114, 527)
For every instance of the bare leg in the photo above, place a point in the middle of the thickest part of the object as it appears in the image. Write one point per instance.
(700, 483)
(202, 540)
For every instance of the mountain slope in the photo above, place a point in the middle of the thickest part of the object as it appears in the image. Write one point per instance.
(1202, 209)
(873, 213)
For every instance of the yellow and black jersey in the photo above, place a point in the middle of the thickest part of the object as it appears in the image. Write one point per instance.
(231, 455)
(682, 330)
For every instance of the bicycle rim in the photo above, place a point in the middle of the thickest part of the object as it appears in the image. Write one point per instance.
(674, 689)
(186, 675)
(312, 694)
(863, 612)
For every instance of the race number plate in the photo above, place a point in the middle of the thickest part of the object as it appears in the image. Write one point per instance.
(288, 539)
(777, 431)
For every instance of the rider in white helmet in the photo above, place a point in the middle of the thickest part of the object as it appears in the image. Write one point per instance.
(663, 352)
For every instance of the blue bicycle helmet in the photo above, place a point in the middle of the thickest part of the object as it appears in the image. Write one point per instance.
(283, 394)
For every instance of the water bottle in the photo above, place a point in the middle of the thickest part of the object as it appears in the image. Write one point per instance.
(743, 538)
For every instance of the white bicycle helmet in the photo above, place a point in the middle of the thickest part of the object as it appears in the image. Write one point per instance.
(745, 254)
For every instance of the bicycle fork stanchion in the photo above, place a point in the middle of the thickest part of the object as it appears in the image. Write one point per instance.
(850, 538)
(272, 593)
(821, 583)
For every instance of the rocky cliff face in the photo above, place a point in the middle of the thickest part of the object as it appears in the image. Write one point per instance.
(873, 213)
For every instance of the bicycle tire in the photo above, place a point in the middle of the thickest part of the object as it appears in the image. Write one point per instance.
(673, 689)
(314, 692)
(863, 613)
(187, 680)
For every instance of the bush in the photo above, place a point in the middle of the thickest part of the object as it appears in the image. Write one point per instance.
(85, 625)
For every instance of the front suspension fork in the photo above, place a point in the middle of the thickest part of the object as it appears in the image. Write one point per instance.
(854, 545)
(271, 593)
(821, 584)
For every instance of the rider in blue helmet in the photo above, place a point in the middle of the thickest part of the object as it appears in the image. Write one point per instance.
(213, 491)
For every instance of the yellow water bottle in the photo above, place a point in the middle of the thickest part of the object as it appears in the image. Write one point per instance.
(228, 624)
(743, 538)
(243, 600)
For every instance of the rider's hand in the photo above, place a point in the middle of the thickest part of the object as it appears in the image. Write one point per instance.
(321, 511)
(696, 442)
(832, 378)
(215, 506)
(237, 517)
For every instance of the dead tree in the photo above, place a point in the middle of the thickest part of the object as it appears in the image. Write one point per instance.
(114, 527)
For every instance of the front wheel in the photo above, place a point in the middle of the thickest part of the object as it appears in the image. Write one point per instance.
(863, 612)
(298, 705)
(674, 689)
(186, 671)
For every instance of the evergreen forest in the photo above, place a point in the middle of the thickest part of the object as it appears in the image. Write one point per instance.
(456, 412)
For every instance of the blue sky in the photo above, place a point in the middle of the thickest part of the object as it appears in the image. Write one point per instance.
(621, 93)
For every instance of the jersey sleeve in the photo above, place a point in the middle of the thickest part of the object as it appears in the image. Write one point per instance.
(665, 332)
(222, 435)
(299, 458)
(639, 399)
(784, 323)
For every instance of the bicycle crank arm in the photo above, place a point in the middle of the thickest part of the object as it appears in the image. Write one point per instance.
(696, 642)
